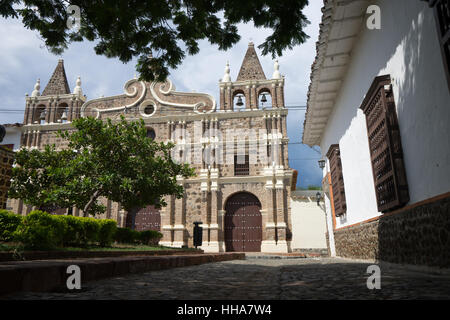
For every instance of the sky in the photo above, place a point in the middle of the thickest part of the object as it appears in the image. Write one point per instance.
(24, 59)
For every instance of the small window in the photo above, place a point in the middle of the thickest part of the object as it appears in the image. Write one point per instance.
(337, 180)
(151, 134)
(148, 110)
(241, 165)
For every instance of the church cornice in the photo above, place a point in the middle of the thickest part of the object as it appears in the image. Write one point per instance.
(218, 114)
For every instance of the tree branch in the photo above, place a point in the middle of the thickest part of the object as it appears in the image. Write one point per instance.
(91, 201)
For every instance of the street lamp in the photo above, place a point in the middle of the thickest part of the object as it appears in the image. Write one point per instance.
(321, 164)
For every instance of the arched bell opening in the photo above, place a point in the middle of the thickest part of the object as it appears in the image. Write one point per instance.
(40, 114)
(239, 100)
(62, 113)
(265, 99)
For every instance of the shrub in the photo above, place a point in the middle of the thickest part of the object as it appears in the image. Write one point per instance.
(150, 237)
(41, 230)
(8, 224)
(74, 234)
(106, 232)
(91, 228)
(126, 235)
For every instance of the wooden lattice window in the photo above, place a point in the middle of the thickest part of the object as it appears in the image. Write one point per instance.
(241, 165)
(385, 146)
(442, 16)
(337, 180)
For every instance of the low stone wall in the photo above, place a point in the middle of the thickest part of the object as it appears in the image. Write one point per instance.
(358, 242)
(418, 234)
(50, 275)
(45, 255)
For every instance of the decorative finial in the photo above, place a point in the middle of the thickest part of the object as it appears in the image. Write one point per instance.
(37, 87)
(226, 76)
(276, 73)
(77, 90)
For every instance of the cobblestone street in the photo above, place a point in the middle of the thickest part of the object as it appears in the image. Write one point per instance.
(307, 278)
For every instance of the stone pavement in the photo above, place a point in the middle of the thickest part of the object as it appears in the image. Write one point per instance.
(272, 279)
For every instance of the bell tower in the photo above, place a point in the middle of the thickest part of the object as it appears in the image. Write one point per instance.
(56, 104)
(252, 86)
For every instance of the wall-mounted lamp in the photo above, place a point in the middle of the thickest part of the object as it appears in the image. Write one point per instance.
(321, 164)
(318, 197)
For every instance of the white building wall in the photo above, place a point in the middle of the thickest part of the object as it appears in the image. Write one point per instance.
(12, 136)
(407, 48)
(308, 225)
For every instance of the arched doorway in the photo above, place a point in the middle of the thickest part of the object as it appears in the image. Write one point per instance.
(243, 223)
(147, 218)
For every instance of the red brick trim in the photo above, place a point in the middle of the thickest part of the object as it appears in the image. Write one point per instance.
(412, 206)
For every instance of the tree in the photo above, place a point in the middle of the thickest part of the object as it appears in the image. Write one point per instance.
(159, 32)
(116, 161)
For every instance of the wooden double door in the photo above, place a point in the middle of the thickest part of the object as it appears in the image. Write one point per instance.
(243, 223)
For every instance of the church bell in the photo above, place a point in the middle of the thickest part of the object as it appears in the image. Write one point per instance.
(263, 98)
(239, 102)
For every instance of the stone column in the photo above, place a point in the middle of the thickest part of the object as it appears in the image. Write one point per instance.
(221, 229)
(38, 139)
(179, 221)
(274, 95)
(214, 225)
(204, 217)
(270, 221)
(254, 97)
(53, 107)
(27, 113)
(69, 116)
(48, 111)
(167, 222)
(280, 94)
(281, 223)
(32, 139)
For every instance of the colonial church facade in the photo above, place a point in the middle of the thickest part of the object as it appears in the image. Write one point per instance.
(242, 186)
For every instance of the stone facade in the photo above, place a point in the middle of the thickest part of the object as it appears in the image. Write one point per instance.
(6, 162)
(420, 234)
(208, 137)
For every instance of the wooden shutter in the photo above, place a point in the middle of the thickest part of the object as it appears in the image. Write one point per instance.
(337, 180)
(386, 153)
